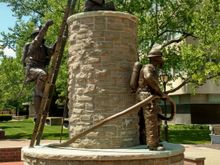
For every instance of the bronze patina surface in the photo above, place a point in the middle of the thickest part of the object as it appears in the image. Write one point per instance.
(36, 57)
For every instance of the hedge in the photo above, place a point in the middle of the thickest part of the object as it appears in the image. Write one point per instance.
(5, 117)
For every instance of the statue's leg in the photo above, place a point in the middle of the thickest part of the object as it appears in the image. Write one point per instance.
(37, 101)
(159, 123)
(94, 5)
(159, 111)
(40, 83)
(110, 6)
(39, 88)
(142, 130)
(151, 124)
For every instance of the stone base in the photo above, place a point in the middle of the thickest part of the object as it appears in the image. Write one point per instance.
(215, 139)
(54, 121)
(173, 155)
(194, 161)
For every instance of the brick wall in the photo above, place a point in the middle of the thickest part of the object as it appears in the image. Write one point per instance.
(102, 51)
(10, 154)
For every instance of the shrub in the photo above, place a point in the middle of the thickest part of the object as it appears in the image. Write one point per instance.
(5, 117)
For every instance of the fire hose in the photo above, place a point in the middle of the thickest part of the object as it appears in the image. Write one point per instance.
(112, 117)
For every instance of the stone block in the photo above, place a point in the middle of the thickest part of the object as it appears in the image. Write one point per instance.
(86, 20)
(100, 20)
(112, 36)
(114, 26)
(100, 27)
(138, 155)
(54, 120)
(194, 161)
(178, 158)
(100, 77)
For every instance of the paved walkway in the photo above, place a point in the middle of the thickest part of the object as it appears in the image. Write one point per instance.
(11, 163)
(21, 143)
(212, 155)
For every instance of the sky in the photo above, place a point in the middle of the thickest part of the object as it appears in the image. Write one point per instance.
(7, 20)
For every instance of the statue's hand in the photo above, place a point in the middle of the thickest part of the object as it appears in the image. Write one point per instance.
(49, 22)
(164, 96)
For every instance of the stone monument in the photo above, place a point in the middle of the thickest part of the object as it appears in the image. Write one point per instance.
(102, 50)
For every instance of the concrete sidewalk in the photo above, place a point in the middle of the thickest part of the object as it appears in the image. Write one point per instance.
(212, 156)
(21, 143)
(11, 163)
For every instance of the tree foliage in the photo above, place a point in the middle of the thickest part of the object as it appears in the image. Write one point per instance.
(188, 32)
(171, 23)
(29, 14)
(11, 85)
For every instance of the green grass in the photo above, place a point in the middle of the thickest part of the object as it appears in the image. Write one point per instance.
(184, 134)
(189, 134)
(23, 130)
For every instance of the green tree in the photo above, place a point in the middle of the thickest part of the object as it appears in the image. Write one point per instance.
(29, 14)
(172, 23)
(12, 92)
(166, 22)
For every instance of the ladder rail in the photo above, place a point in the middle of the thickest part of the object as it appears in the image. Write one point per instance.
(51, 79)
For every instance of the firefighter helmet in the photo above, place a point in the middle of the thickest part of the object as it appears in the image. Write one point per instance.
(35, 32)
(155, 51)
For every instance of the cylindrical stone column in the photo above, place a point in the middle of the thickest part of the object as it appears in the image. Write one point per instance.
(102, 51)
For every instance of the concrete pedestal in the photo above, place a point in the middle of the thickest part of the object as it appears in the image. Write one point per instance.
(173, 155)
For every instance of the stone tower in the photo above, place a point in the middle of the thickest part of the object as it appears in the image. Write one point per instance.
(102, 51)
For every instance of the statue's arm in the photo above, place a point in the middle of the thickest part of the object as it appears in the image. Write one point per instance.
(25, 53)
(150, 79)
(39, 38)
(50, 50)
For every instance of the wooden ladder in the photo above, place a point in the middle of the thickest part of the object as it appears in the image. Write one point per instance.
(52, 76)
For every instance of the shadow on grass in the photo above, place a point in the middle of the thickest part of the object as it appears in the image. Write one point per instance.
(19, 136)
(55, 136)
(52, 136)
(8, 127)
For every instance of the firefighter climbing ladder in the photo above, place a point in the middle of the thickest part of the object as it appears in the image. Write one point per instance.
(52, 76)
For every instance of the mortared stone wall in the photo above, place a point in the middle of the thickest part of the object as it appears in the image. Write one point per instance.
(102, 51)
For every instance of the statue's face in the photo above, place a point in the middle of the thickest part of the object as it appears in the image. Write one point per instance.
(157, 61)
(34, 35)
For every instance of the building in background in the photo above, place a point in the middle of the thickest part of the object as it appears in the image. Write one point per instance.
(200, 106)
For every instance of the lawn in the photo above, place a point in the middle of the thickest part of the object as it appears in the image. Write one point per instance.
(184, 134)
(189, 134)
(23, 130)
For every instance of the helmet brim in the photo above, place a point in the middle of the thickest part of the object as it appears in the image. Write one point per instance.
(154, 55)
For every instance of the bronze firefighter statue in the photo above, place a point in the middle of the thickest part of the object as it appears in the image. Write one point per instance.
(94, 5)
(145, 81)
(36, 58)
